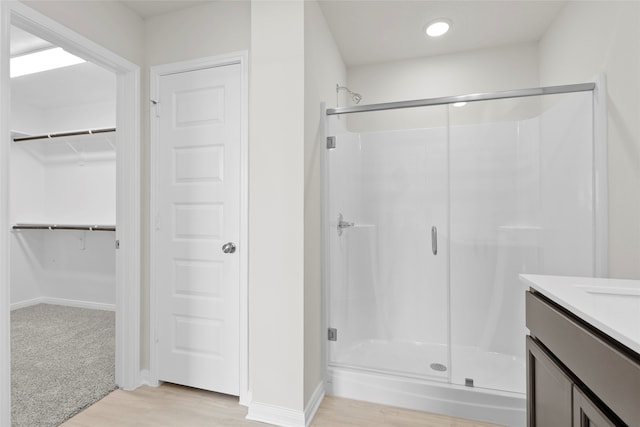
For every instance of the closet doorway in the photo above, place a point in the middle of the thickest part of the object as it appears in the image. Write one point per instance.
(62, 209)
(125, 171)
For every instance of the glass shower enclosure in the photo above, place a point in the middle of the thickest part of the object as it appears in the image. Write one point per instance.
(431, 215)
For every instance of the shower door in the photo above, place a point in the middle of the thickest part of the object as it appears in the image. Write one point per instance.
(522, 201)
(387, 237)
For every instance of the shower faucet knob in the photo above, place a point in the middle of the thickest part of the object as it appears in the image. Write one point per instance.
(342, 224)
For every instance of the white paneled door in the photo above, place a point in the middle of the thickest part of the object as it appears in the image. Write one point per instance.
(198, 228)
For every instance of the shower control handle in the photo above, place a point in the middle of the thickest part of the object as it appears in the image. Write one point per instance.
(434, 240)
(342, 224)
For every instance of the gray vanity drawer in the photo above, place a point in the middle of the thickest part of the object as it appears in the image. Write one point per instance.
(611, 372)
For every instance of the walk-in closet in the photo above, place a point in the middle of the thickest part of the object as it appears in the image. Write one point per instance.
(63, 216)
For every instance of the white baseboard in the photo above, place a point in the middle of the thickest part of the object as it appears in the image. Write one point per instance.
(275, 415)
(246, 401)
(26, 303)
(314, 403)
(285, 417)
(145, 377)
(65, 302)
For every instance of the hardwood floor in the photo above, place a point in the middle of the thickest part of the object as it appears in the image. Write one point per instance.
(172, 405)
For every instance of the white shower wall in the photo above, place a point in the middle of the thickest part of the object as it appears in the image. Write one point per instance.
(567, 191)
(489, 165)
(404, 195)
(507, 197)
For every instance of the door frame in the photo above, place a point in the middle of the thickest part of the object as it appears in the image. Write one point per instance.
(156, 72)
(128, 175)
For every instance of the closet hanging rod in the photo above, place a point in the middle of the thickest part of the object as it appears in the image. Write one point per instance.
(64, 227)
(63, 134)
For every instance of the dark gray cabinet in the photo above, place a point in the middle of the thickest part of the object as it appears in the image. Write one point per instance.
(586, 413)
(549, 390)
(576, 375)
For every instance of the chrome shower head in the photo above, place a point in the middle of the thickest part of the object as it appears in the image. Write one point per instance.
(356, 97)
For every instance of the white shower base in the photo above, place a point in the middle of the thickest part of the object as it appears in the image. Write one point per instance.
(490, 370)
(409, 381)
(405, 358)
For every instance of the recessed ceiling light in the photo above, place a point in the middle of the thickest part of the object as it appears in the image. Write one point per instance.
(437, 28)
(42, 61)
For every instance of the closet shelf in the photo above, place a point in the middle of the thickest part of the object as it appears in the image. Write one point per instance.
(96, 145)
(81, 227)
(63, 134)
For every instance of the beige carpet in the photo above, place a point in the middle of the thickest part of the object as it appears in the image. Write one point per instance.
(63, 360)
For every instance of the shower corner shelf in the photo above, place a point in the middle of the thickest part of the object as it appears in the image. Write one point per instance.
(80, 227)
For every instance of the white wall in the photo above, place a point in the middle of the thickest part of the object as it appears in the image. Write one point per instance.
(81, 192)
(63, 267)
(62, 186)
(80, 117)
(108, 23)
(573, 51)
(37, 121)
(276, 197)
(26, 249)
(67, 180)
(485, 70)
(204, 30)
(323, 68)
(70, 191)
(26, 118)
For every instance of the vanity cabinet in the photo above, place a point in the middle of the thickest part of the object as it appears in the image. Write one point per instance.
(549, 389)
(577, 376)
(586, 413)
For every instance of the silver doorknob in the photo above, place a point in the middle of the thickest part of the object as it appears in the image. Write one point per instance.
(228, 248)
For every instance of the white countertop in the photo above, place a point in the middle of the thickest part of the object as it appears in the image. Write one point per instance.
(610, 305)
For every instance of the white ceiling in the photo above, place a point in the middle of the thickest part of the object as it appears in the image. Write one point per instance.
(149, 8)
(371, 31)
(74, 85)
(23, 42)
(379, 31)
(365, 32)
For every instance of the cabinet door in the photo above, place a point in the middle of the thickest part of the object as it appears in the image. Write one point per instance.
(587, 414)
(549, 394)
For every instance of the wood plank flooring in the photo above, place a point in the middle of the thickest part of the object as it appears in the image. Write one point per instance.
(172, 405)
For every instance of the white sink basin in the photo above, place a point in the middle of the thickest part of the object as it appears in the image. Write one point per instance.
(611, 305)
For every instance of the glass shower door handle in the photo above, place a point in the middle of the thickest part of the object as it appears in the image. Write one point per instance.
(434, 240)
